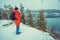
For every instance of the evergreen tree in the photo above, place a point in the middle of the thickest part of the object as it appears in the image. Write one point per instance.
(4, 15)
(30, 18)
(41, 22)
(0, 14)
(22, 12)
(7, 12)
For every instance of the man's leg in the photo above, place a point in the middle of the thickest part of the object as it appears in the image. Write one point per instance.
(17, 30)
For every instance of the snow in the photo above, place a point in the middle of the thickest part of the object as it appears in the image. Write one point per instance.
(28, 33)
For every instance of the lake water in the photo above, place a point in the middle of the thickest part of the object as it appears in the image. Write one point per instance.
(55, 22)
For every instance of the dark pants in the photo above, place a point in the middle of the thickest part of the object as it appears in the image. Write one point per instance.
(17, 29)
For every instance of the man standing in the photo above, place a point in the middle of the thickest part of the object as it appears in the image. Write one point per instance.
(17, 19)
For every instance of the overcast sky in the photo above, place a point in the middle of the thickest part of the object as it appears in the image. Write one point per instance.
(33, 4)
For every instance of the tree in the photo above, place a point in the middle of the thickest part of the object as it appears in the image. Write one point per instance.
(41, 22)
(30, 18)
(3, 14)
(22, 12)
(8, 9)
(0, 14)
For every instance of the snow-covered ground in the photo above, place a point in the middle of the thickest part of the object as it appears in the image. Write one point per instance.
(28, 33)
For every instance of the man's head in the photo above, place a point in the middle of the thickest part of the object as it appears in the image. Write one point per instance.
(16, 8)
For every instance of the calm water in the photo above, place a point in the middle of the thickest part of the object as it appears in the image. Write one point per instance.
(55, 22)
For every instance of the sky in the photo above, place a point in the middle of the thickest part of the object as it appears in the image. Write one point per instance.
(33, 4)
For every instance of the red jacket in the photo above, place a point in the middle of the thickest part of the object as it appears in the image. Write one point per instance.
(18, 17)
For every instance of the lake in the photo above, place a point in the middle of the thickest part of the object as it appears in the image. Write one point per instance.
(55, 22)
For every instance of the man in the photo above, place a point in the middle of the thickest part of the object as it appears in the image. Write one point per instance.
(17, 19)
